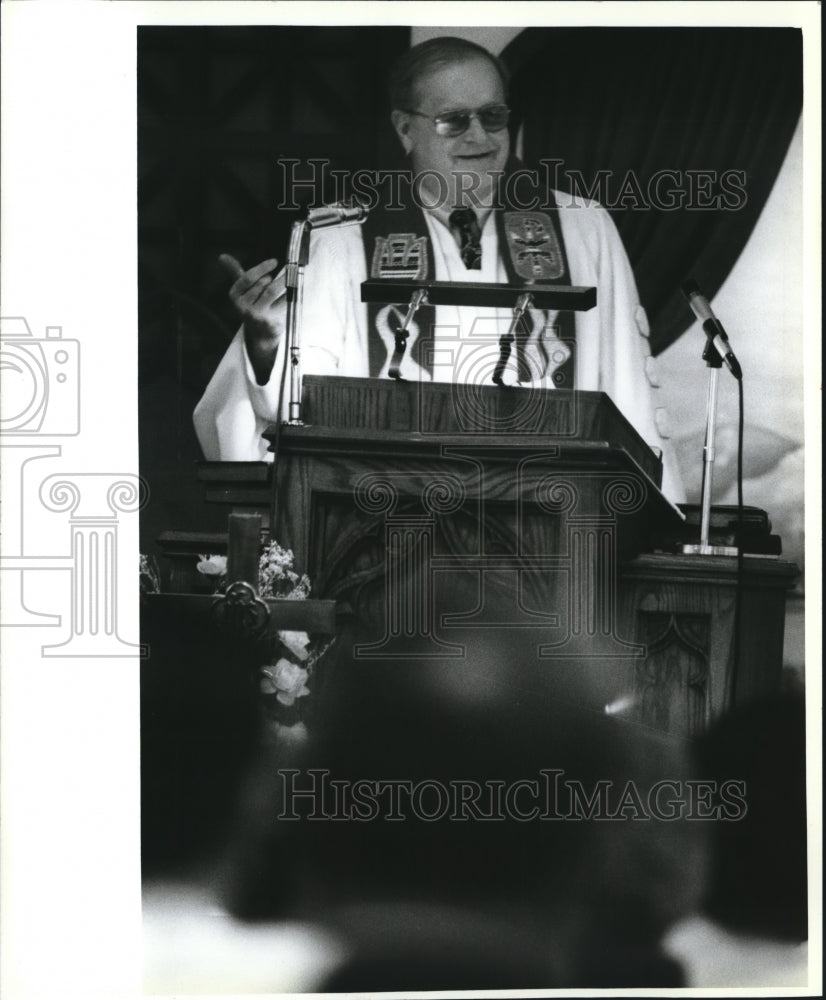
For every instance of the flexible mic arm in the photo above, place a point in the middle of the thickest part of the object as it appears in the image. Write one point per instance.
(336, 214)
(297, 255)
(417, 299)
(523, 303)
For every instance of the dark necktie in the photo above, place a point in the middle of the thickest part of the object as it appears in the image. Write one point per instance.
(464, 223)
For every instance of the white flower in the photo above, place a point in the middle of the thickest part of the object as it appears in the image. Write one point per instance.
(286, 680)
(212, 565)
(296, 642)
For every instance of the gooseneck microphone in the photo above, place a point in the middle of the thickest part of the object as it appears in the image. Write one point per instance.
(712, 326)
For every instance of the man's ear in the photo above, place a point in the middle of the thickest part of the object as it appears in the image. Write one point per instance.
(401, 123)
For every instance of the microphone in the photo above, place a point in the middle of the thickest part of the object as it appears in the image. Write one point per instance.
(711, 325)
(335, 214)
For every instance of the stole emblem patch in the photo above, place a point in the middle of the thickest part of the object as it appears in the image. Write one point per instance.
(400, 255)
(534, 248)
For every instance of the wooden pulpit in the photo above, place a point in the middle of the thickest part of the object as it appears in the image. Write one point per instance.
(466, 521)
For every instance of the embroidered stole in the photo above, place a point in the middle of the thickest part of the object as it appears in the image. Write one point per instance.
(397, 245)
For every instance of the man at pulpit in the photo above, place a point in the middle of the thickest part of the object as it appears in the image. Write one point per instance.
(473, 214)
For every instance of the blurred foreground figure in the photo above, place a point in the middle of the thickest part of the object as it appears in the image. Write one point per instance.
(449, 825)
(754, 921)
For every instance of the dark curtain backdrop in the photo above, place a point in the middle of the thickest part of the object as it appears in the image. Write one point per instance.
(645, 100)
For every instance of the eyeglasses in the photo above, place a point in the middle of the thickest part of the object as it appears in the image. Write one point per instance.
(492, 118)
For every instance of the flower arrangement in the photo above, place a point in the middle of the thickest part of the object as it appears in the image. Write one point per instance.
(287, 678)
(276, 576)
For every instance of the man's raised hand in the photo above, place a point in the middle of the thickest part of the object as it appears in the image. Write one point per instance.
(253, 293)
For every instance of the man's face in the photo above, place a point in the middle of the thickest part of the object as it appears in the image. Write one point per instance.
(464, 161)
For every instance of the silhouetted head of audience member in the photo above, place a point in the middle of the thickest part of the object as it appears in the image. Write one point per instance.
(758, 873)
(463, 829)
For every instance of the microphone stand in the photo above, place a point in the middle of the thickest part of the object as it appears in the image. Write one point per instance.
(714, 363)
(523, 303)
(297, 257)
(417, 299)
(298, 254)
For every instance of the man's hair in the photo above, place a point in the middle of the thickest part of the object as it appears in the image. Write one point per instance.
(431, 55)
